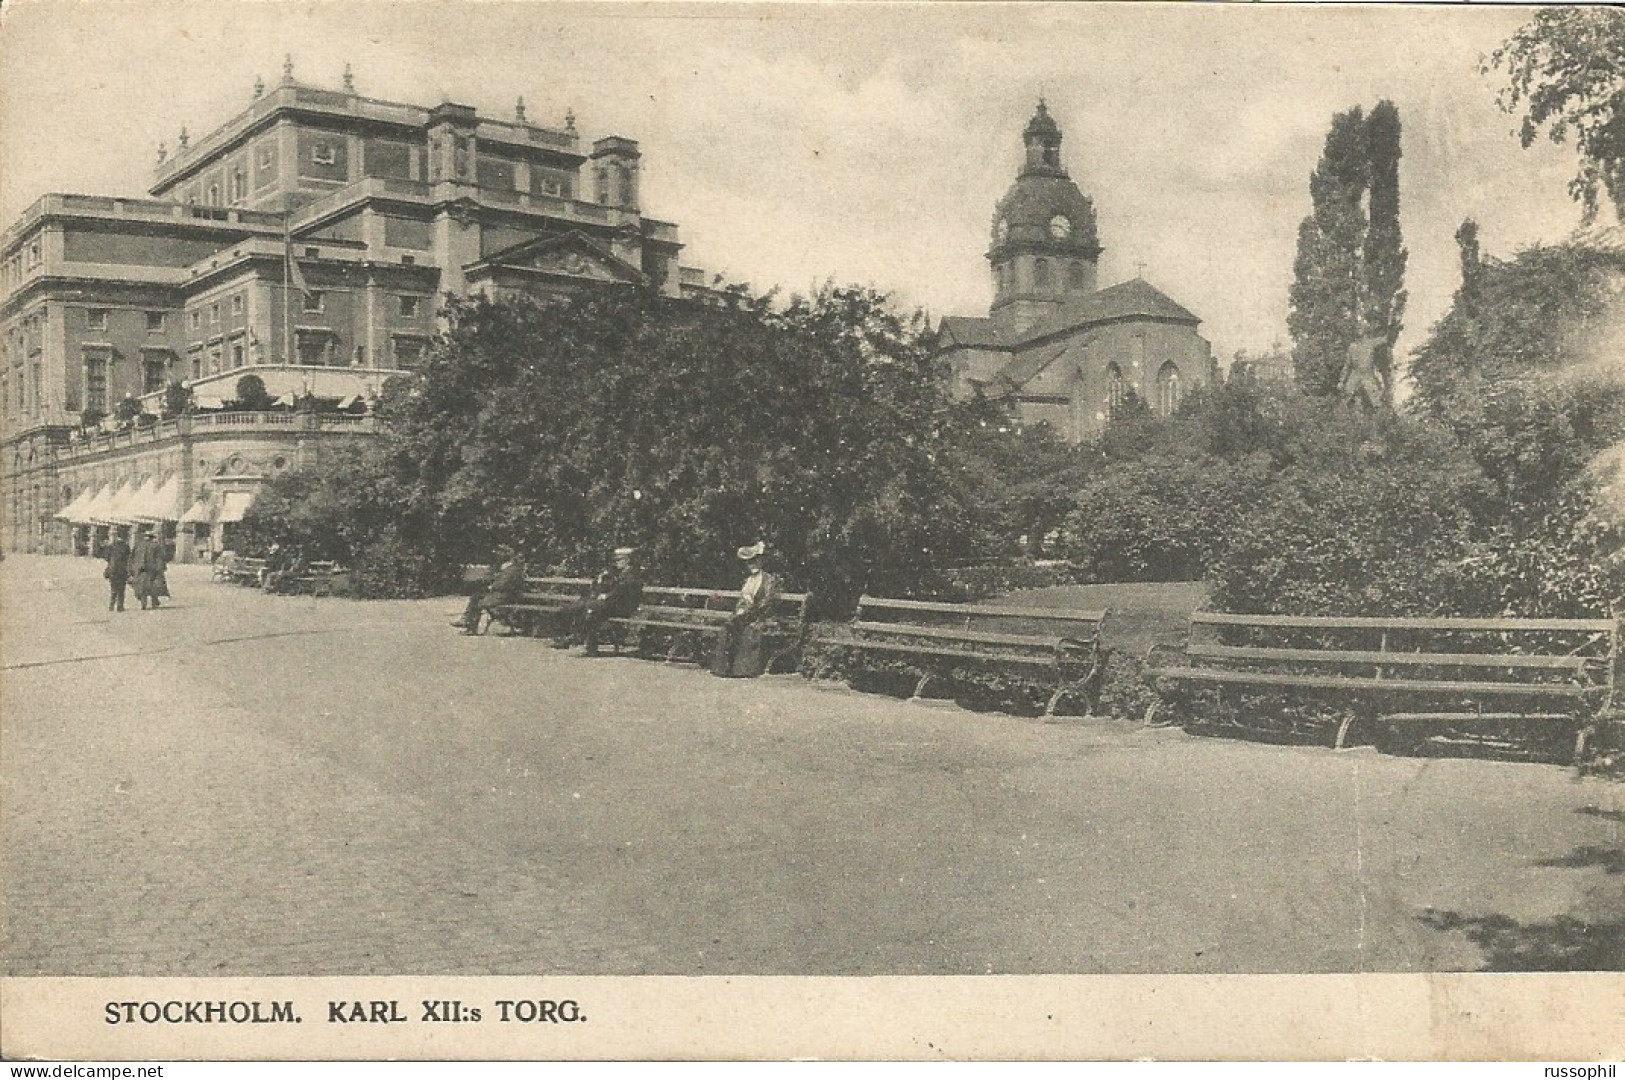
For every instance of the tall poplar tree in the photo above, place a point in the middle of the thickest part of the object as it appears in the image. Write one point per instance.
(1348, 277)
(1383, 301)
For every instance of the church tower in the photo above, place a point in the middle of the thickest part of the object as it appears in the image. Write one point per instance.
(1045, 248)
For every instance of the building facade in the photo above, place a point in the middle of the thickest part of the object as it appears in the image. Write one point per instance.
(1054, 347)
(307, 241)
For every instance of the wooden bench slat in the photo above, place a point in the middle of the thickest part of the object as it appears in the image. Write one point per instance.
(948, 633)
(932, 650)
(1436, 716)
(979, 610)
(1214, 618)
(1511, 660)
(1330, 682)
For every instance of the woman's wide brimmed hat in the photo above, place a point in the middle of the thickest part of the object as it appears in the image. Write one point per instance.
(753, 551)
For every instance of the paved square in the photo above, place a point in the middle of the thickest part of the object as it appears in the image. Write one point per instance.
(261, 785)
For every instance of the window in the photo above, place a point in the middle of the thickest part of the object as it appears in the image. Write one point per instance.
(96, 319)
(155, 322)
(1075, 275)
(214, 314)
(267, 157)
(1041, 274)
(313, 253)
(409, 307)
(236, 356)
(408, 351)
(152, 375)
(1116, 392)
(1167, 389)
(313, 301)
(96, 383)
(237, 304)
(197, 320)
(197, 365)
(324, 153)
(239, 184)
(314, 349)
(409, 260)
(214, 194)
(217, 359)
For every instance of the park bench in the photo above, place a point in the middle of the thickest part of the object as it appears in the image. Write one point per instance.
(954, 643)
(245, 571)
(1459, 678)
(543, 596)
(689, 621)
(321, 578)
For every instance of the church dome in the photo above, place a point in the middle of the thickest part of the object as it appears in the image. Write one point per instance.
(1047, 210)
(1044, 207)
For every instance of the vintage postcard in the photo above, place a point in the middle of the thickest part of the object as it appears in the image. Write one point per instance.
(968, 531)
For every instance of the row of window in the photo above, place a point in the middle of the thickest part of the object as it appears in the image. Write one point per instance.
(1045, 275)
(1165, 401)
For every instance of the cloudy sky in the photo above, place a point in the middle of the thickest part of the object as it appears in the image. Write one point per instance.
(861, 142)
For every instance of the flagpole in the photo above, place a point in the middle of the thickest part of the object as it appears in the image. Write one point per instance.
(287, 288)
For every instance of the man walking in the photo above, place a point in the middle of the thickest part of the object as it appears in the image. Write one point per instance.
(117, 572)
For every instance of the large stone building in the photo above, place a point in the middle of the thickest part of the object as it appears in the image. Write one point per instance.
(363, 212)
(1054, 347)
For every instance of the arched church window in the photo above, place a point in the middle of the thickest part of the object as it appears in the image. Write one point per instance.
(1075, 275)
(1167, 389)
(1041, 277)
(1115, 390)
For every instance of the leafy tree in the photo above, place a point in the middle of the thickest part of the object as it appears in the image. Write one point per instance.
(177, 399)
(818, 425)
(127, 410)
(1518, 367)
(1348, 276)
(252, 395)
(1324, 311)
(91, 416)
(1384, 296)
(1566, 73)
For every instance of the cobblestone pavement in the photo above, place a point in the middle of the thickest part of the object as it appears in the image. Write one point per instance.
(259, 785)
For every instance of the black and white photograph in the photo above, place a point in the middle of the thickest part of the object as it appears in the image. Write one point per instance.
(520, 516)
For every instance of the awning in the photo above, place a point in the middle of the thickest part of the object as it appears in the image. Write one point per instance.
(160, 504)
(75, 507)
(100, 509)
(234, 505)
(199, 513)
(121, 508)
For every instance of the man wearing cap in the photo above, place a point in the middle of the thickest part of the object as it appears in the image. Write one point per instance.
(615, 594)
(739, 652)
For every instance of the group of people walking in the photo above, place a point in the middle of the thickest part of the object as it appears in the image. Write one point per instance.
(616, 594)
(146, 562)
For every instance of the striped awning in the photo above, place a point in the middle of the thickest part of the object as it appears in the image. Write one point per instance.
(160, 504)
(74, 510)
(99, 511)
(200, 512)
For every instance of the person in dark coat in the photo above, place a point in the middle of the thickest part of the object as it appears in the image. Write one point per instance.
(506, 586)
(616, 593)
(739, 653)
(148, 561)
(117, 573)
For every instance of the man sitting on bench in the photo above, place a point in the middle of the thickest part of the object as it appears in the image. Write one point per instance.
(506, 586)
(615, 595)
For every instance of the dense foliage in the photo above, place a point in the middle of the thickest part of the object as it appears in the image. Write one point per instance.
(818, 426)
(1566, 72)
(1348, 276)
